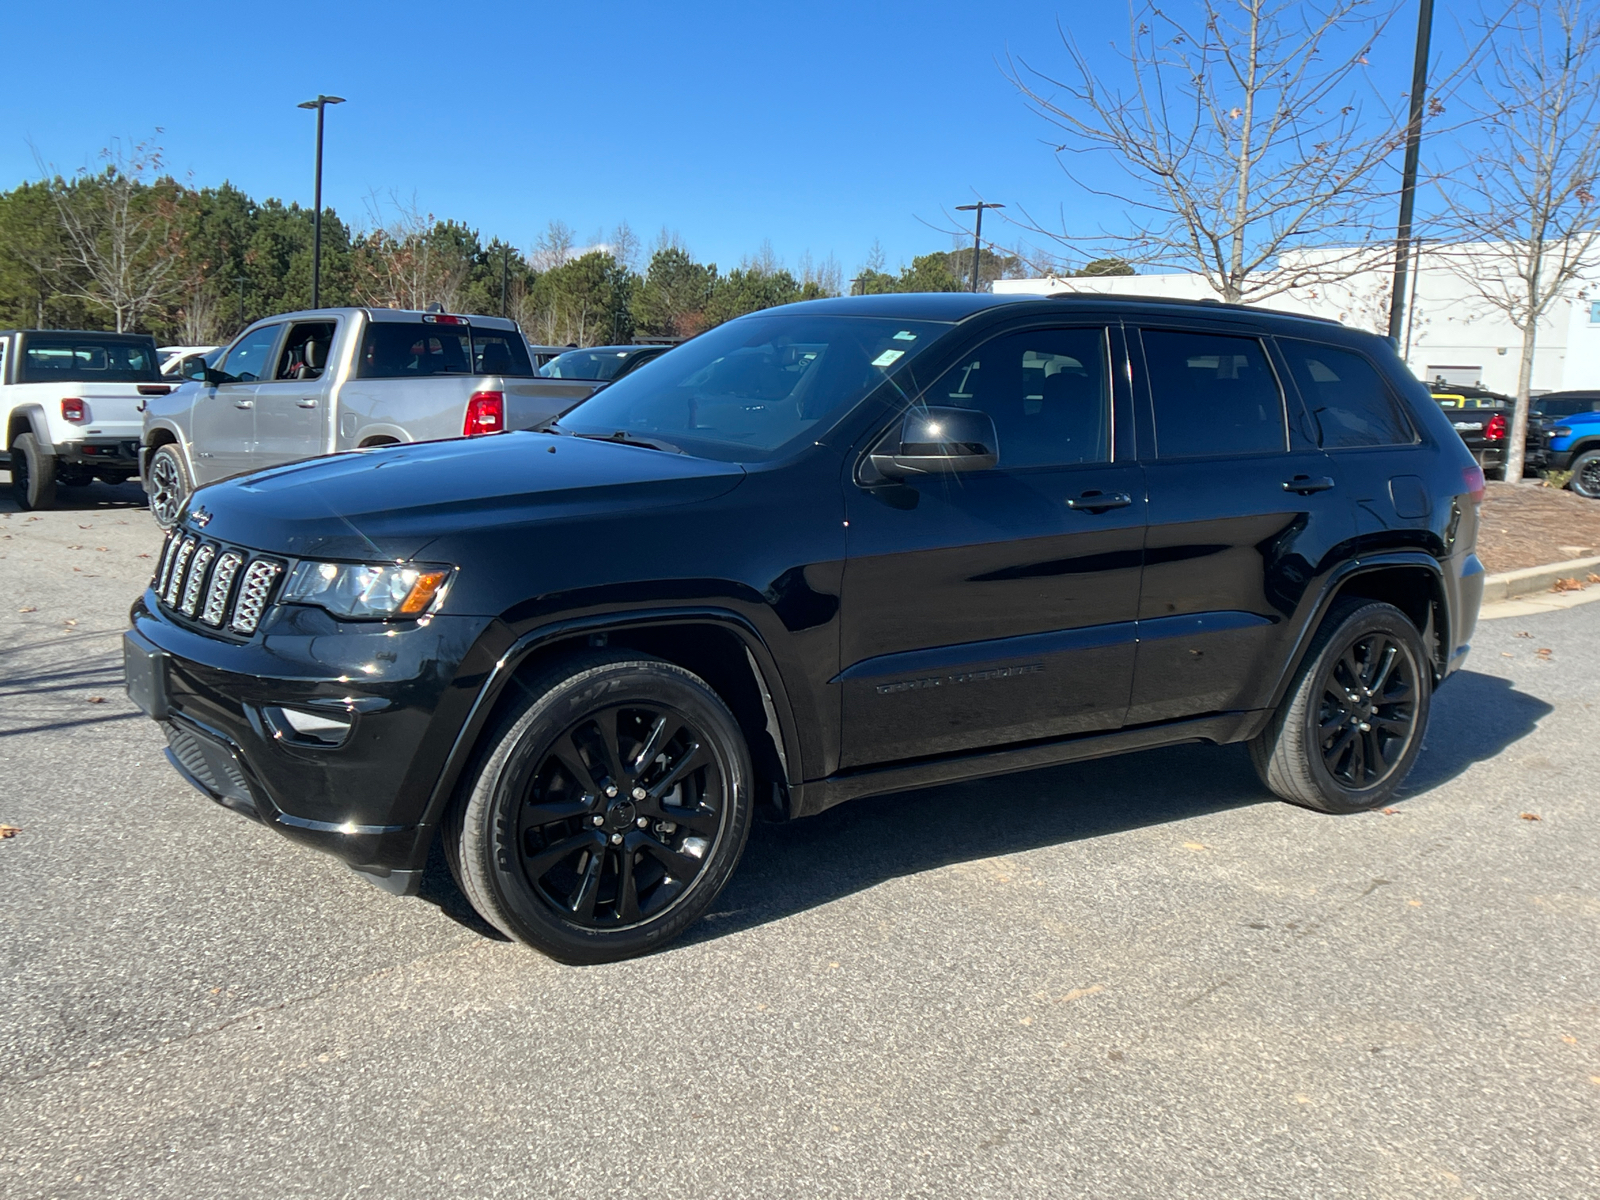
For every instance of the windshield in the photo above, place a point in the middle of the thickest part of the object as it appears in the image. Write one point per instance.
(80, 358)
(602, 363)
(746, 390)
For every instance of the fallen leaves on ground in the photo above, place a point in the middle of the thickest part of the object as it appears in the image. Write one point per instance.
(1593, 578)
(1525, 633)
(30, 608)
(9, 831)
(74, 547)
(1544, 652)
(1391, 812)
(1567, 585)
(97, 699)
(1530, 816)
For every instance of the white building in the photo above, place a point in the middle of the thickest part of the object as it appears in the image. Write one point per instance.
(1451, 333)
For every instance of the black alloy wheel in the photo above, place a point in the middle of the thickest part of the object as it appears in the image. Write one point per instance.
(1350, 727)
(1369, 712)
(607, 810)
(1586, 475)
(620, 816)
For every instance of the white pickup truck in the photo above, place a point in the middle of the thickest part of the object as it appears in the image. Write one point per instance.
(73, 406)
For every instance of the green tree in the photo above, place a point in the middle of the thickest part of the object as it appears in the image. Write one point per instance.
(672, 298)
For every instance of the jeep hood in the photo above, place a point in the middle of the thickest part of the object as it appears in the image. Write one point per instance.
(389, 502)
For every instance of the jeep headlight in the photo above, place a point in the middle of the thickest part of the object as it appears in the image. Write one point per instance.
(1561, 431)
(367, 589)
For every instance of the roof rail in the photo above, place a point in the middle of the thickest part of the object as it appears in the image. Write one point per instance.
(1206, 301)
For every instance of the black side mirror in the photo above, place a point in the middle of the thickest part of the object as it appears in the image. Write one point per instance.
(934, 441)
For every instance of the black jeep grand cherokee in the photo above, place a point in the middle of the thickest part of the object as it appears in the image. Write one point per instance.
(824, 551)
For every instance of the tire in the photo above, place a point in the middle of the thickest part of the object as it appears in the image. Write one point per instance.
(1310, 754)
(546, 841)
(33, 474)
(168, 485)
(1586, 475)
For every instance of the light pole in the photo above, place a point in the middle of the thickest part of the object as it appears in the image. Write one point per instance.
(977, 232)
(320, 104)
(1408, 177)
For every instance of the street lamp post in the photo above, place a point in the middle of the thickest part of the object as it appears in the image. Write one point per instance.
(977, 233)
(1408, 174)
(320, 104)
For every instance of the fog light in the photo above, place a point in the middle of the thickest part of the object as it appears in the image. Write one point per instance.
(306, 728)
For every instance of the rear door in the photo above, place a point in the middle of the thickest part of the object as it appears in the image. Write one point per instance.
(291, 407)
(225, 414)
(982, 609)
(1243, 506)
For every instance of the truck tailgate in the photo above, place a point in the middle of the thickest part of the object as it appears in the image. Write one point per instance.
(530, 403)
(111, 409)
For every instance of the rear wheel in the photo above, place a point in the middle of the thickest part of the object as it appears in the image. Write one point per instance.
(607, 811)
(1351, 727)
(168, 486)
(33, 474)
(1586, 475)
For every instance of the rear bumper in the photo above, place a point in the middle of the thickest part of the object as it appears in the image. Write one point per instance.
(111, 454)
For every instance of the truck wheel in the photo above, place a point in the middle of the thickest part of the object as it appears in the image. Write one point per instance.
(606, 811)
(168, 486)
(1586, 475)
(1351, 726)
(33, 474)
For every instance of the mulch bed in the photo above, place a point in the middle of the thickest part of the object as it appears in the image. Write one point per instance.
(1526, 525)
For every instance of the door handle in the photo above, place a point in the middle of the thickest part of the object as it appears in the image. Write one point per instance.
(1304, 485)
(308, 402)
(244, 403)
(1099, 501)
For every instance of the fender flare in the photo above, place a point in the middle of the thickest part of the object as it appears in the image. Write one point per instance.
(1341, 575)
(32, 415)
(775, 698)
(146, 449)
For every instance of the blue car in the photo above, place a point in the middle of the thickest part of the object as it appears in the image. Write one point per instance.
(1571, 423)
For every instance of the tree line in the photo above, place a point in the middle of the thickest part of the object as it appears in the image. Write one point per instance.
(129, 247)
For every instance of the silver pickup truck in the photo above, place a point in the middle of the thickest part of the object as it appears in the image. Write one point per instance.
(307, 383)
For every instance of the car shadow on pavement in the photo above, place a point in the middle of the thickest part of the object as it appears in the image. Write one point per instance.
(793, 866)
(799, 865)
(89, 498)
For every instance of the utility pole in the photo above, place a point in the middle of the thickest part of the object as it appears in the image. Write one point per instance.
(858, 281)
(1408, 178)
(977, 233)
(320, 104)
(1411, 306)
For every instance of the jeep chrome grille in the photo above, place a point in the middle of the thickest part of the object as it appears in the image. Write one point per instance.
(214, 584)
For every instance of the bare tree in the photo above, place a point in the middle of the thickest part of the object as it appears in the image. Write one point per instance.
(554, 247)
(403, 265)
(1523, 199)
(117, 252)
(1246, 133)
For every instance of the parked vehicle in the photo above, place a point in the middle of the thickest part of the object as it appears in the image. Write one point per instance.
(543, 354)
(71, 402)
(1571, 425)
(601, 364)
(172, 357)
(1483, 419)
(824, 551)
(304, 384)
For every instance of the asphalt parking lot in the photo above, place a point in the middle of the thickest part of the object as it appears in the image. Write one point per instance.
(1141, 977)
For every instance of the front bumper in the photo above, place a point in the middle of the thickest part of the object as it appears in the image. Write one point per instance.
(1558, 460)
(403, 690)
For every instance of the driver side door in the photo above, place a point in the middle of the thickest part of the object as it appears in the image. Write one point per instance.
(224, 413)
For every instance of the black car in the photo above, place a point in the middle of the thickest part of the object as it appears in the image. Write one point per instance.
(1483, 419)
(834, 549)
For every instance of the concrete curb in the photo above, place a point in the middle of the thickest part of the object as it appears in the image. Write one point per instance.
(1536, 579)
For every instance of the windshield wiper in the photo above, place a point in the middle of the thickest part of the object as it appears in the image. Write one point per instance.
(629, 439)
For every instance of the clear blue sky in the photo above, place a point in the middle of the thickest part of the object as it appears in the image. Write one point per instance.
(818, 125)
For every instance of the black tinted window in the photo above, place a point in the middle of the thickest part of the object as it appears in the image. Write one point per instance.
(1213, 394)
(1564, 407)
(87, 360)
(395, 350)
(1346, 395)
(1047, 391)
(499, 352)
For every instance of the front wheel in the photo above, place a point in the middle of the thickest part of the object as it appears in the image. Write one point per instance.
(608, 809)
(1586, 475)
(168, 486)
(1348, 732)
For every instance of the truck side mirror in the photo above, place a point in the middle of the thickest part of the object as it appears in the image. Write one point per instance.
(193, 367)
(934, 441)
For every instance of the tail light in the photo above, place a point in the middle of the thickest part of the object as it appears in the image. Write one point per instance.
(486, 413)
(1495, 429)
(74, 410)
(1472, 482)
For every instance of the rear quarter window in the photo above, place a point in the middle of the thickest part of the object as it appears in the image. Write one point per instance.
(1349, 399)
